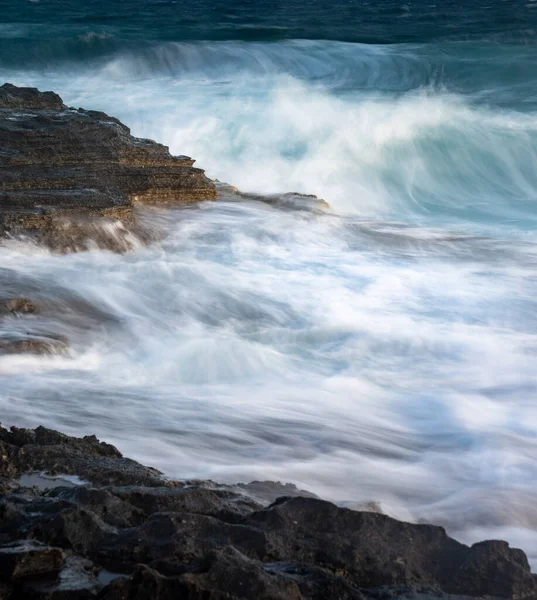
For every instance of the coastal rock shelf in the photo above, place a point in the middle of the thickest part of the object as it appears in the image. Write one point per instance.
(58, 162)
(119, 530)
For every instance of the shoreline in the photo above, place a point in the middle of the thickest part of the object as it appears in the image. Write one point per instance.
(99, 525)
(69, 538)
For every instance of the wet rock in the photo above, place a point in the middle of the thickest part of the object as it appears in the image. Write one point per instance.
(177, 538)
(223, 575)
(110, 508)
(19, 306)
(76, 581)
(227, 506)
(76, 529)
(61, 166)
(290, 200)
(29, 560)
(492, 567)
(267, 492)
(154, 538)
(41, 449)
(372, 550)
(33, 345)
(145, 584)
(113, 230)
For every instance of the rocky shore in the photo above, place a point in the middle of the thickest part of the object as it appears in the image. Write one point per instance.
(67, 174)
(74, 180)
(120, 530)
(77, 519)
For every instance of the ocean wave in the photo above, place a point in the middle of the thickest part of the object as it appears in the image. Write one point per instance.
(253, 343)
(377, 132)
(466, 67)
(360, 358)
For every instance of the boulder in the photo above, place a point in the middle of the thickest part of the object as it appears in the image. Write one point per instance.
(29, 560)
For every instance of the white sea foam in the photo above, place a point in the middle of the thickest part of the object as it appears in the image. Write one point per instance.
(390, 359)
(281, 117)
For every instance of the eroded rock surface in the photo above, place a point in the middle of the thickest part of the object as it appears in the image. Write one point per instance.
(128, 532)
(60, 166)
(295, 201)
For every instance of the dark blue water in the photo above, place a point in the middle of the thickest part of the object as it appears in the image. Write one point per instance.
(384, 351)
(363, 21)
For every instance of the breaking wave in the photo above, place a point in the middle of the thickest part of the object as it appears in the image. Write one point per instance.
(384, 351)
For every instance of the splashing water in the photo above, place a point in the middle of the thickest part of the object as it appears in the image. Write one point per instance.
(384, 351)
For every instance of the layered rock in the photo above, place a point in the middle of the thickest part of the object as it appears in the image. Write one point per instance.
(128, 532)
(57, 161)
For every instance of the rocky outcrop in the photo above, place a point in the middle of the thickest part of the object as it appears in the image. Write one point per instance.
(294, 201)
(60, 166)
(128, 532)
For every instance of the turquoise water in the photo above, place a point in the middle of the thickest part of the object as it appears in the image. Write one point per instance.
(384, 351)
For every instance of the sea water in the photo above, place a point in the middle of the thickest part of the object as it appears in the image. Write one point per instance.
(384, 349)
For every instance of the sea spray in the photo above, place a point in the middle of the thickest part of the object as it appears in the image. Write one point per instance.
(383, 351)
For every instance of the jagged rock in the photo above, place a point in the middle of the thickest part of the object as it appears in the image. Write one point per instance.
(59, 163)
(27, 450)
(109, 507)
(225, 505)
(222, 575)
(374, 550)
(29, 560)
(12, 96)
(199, 541)
(268, 491)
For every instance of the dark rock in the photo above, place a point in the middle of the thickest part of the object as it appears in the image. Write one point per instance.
(110, 508)
(75, 529)
(372, 550)
(76, 581)
(223, 575)
(26, 98)
(267, 492)
(159, 539)
(290, 200)
(65, 231)
(145, 584)
(175, 538)
(29, 560)
(226, 506)
(61, 166)
(492, 567)
(25, 451)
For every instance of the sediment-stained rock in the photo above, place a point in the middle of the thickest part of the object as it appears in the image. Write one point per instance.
(18, 306)
(131, 533)
(34, 344)
(58, 162)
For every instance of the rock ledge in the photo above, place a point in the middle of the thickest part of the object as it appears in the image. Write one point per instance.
(129, 533)
(59, 163)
